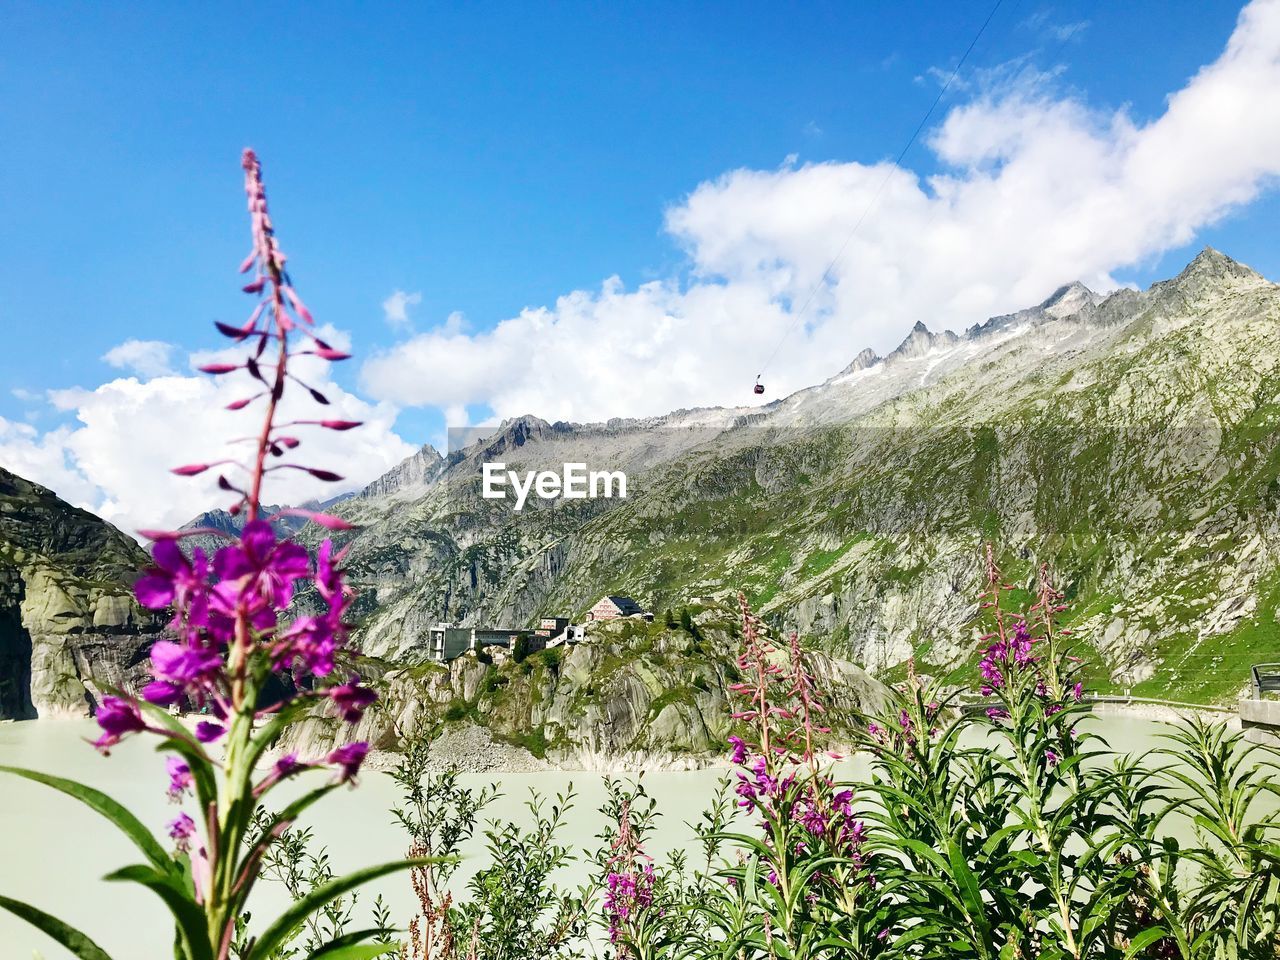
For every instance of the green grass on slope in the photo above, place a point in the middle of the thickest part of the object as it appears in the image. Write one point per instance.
(1214, 670)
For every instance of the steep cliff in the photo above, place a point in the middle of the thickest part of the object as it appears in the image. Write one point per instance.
(68, 621)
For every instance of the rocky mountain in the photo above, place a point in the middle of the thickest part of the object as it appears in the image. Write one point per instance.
(410, 478)
(1127, 439)
(219, 522)
(634, 695)
(1130, 440)
(68, 621)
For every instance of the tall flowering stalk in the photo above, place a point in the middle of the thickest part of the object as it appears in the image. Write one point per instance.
(994, 814)
(808, 860)
(628, 895)
(233, 654)
(1038, 704)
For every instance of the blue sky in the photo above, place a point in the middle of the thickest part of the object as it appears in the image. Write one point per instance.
(489, 159)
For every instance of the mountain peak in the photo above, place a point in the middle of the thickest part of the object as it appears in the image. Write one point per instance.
(1214, 266)
(512, 433)
(410, 476)
(920, 341)
(516, 431)
(1068, 299)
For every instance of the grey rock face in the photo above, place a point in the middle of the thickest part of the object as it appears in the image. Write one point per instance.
(919, 342)
(632, 696)
(409, 478)
(68, 623)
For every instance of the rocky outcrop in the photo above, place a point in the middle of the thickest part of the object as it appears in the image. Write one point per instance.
(69, 626)
(409, 478)
(633, 695)
(919, 342)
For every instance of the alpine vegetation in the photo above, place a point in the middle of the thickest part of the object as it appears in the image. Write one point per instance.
(233, 654)
(997, 828)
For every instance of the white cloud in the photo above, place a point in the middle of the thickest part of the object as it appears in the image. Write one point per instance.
(43, 458)
(1042, 23)
(128, 434)
(395, 309)
(1037, 189)
(1068, 31)
(146, 358)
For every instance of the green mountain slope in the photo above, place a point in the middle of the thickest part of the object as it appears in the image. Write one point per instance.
(1127, 440)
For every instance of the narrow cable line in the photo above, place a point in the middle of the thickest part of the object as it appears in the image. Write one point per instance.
(826, 274)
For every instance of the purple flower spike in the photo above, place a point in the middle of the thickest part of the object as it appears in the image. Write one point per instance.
(348, 760)
(352, 699)
(118, 718)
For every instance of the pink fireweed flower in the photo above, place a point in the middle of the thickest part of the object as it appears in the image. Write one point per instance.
(181, 830)
(285, 767)
(180, 779)
(348, 759)
(264, 568)
(208, 732)
(351, 699)
(230, 602)
(180, 670)
(813, 818)
(175, 581)
(118, 718)
(329, 581)
(312, 643)
(230, 626)
(629, 879)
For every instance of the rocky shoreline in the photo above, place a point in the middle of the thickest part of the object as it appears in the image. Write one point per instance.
(472, 749)
(1165, 713)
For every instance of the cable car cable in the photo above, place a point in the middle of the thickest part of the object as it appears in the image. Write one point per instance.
(822, 280)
